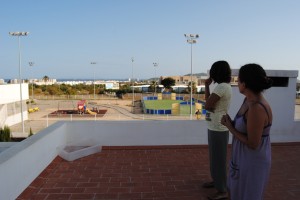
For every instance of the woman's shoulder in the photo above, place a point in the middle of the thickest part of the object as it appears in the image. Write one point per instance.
(222, 89)
(224, 86)
(260, 106)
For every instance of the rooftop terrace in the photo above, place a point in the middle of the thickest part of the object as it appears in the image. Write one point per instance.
(138, 160)
(157, 172)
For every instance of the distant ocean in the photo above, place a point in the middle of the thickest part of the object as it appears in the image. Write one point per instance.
(81, 79)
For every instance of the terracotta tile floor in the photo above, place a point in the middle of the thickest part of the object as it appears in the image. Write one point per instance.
(162, 172)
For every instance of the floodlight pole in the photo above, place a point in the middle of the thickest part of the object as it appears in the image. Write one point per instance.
(155, 65)
(31, 65)
(132, 60)
(93, 63)
(18, 34)
(191, 39)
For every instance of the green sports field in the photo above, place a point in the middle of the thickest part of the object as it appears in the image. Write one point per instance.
(167, 105)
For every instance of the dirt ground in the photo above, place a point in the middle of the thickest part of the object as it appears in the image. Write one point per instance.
(40, 119)
(117, 109)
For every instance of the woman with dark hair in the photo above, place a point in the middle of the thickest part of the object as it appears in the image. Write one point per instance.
(251, 149)
(217, 105)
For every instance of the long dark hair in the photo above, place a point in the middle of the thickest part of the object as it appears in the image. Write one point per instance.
(254, 77)
(220, 72)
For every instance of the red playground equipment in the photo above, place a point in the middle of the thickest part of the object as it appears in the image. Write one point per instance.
(82, 109)
(81, 106)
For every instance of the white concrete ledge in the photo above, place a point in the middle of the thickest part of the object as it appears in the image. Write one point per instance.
(6, 145)
(74, 152)
(23, 162)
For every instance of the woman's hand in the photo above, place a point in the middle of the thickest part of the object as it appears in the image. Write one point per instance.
(208, 81)
(226, 121)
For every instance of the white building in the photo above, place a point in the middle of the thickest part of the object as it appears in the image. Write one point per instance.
(10, 107)
(114, 85)
(43, 82)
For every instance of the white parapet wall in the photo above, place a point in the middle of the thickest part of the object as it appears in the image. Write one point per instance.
(128, 133)
(24, 161)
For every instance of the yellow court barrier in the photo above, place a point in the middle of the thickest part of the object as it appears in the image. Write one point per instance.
(173, 96)
(159, 96)
(175, 109)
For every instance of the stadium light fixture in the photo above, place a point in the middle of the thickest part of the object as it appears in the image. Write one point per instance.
(19, 34)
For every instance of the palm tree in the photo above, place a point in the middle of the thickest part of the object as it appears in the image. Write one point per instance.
(45, 79)
(152, 86)
(193, 87)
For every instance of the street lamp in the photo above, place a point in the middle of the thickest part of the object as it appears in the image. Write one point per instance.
(155, 65)
(132, 82)
(18, 34)
(191, 39)
(31, 65)
(93, 63)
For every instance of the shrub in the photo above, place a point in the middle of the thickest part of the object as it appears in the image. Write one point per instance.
(30, 132)
(5, 135)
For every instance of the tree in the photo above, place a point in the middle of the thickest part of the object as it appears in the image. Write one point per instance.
(168, 82)
(193, 86)
(152, 86)
(45, 79)
(53, 90)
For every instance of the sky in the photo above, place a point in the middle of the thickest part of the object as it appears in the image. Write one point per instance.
(65, 36)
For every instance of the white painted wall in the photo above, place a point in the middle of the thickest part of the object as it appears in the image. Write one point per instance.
(24, 161)
(14, 119)
(126, 133)
(281, 99)
(10, 93)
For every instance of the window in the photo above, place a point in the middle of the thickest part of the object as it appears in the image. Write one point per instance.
(280, 81)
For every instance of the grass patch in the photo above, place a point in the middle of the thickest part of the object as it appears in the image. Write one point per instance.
(185, 109)
(160, 104)
(167, 105)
